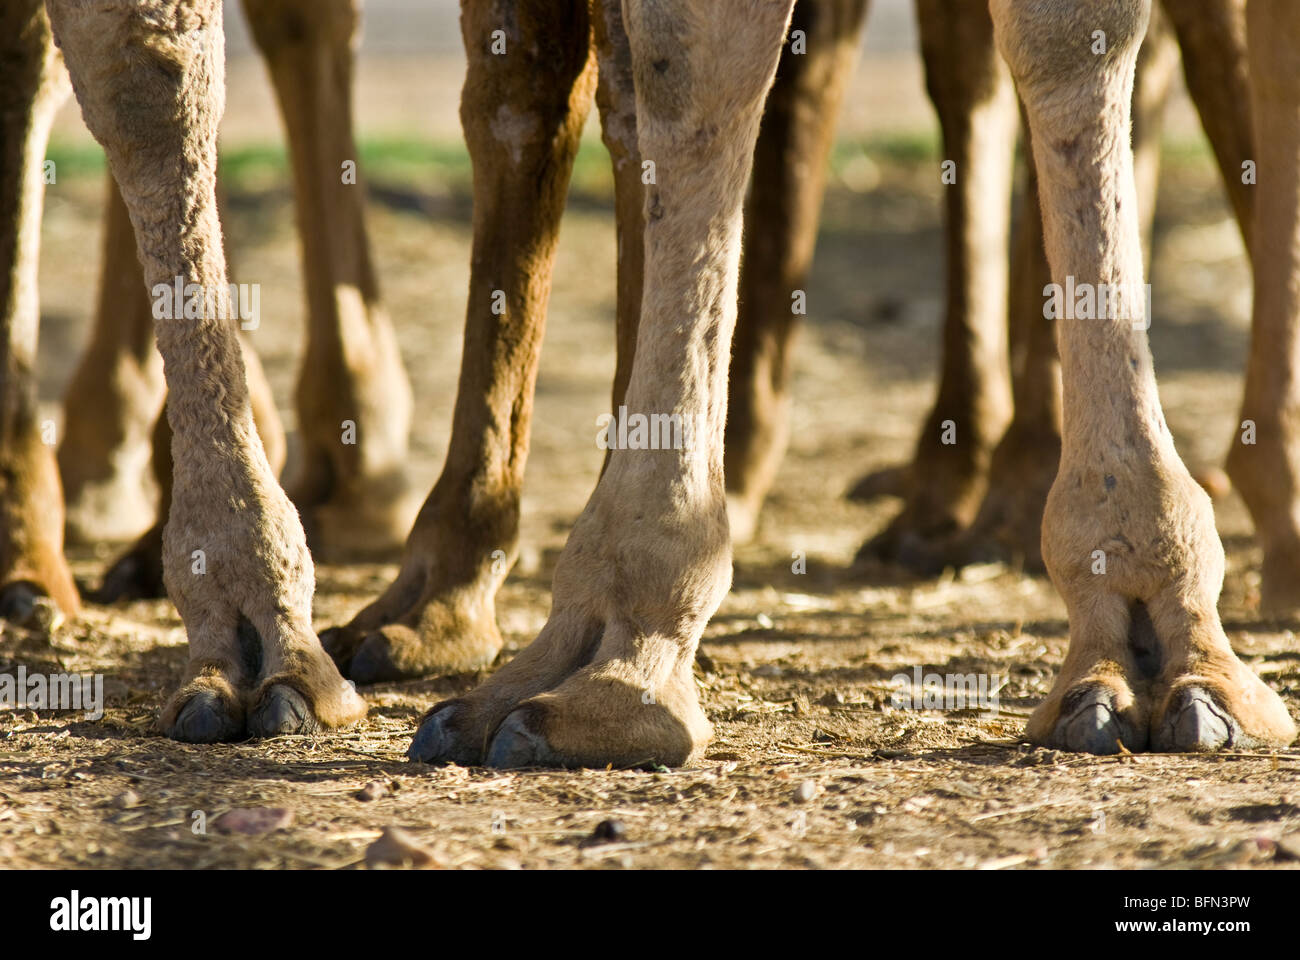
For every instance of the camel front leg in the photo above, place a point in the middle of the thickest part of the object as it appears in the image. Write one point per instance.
(523, 108)
(137, 573)
(1264, 461)
(149, 77)
(33, 573)
(353, 495)
(781, 217)
(1128, 536)
(1010, 520)
(976, 107)
(609, 678)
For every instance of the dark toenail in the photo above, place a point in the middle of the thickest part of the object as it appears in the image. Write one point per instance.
(204, 719)
(433, 742)
(516, 745)
(282, 710)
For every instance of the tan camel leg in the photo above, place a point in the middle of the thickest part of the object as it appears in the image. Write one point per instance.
(1128, 536)
(353, 496)
(149, 78)
(976, 107)
(523, 113)
(782, 211)
(113, 406)
(1009, 524)
(1267, 471)
(608, 680)
(113, 399)
(138, 572)
(33, 573)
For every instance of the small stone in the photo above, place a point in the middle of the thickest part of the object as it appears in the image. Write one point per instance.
(805, 792)
(609, 831)
(372, 791)
(252, 821)
(764, 621)
(397, 848)
(126, 800)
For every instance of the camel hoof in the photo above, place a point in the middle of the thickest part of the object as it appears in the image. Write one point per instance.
(341, 645)
(281, 710)
(373, 663)
(205, 718)
(25, 605)
(515, 745)
(1090, 723)
(130, 578)
(438, 741)
(1194, 723)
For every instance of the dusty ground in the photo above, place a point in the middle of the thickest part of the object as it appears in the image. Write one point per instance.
(796, 668)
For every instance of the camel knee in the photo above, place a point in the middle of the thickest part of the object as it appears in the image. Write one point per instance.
(1060, 43)
(149, 77)
(529, 82)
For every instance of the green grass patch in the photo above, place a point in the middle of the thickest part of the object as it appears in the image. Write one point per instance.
(445, 164)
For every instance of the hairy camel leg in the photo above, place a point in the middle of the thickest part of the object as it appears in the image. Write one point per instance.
(608, 680)
(523, 112)
(1010, 519)
(781, 215)
(149, 78)
(1128, 537)
(111, 390)
(33, 573)
(113, 399)
(1267, 471)
(138, 572)
(353, 399)
(976, 106)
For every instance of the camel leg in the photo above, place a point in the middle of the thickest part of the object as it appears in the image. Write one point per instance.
(1128, 537)
(1267, 470)
(33, 573)
(149, 78)
(350, 482)
(1212, 37)
(976, 108)
(523, 112)
(1009, 524)
(116, 396)
(113, 399)
(608, 680)
(138, 572)
(784, 205)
